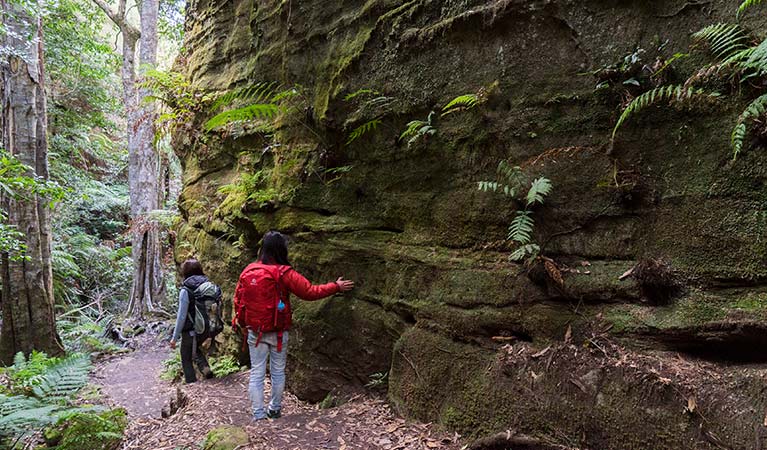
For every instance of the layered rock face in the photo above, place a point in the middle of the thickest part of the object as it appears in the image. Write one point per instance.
(467, 338)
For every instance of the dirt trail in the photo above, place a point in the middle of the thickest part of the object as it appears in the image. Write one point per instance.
(132, 381)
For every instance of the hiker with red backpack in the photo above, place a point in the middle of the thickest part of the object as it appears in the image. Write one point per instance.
(262, 310)
(198, 318)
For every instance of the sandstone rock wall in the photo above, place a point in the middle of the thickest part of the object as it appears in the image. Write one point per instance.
(427, 249)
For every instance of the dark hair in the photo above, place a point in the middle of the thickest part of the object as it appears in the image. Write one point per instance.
(274, 249)
(191, 267)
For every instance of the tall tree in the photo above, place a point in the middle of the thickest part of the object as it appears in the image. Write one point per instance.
(27, 283)
(143, 162)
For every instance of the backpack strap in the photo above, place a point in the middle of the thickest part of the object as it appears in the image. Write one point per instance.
(192, 307)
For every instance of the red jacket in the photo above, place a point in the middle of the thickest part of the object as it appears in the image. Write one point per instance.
(294, 283)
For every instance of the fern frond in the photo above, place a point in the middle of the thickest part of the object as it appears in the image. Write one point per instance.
(417, 128)
(460, 103)
(257, 93)
(19, 360)
(723, 39)
(366, 127)
(757, 60)
(754, 110)
(522, 252)
(359, 92)
(379, 102)
(512, 174)
(492, 186)
(657, 95)
(247, 113)
(412, 128)
(539, 189)
(747, 4)
(738, 57)
(63, 378)
(521, 228)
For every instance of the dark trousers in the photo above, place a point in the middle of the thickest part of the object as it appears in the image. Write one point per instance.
(192, 353)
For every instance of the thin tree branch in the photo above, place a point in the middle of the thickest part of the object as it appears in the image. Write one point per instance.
(119, 18)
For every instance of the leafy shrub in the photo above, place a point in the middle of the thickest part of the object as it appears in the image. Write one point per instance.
(225, 365)
(172, 368)
(82, 334)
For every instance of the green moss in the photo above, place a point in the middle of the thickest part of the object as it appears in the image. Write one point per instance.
(225, 438)
(693, 310)
(343, 51)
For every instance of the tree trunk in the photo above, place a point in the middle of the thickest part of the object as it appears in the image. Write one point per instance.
(147, 290)
(143, 180)
(27, 284)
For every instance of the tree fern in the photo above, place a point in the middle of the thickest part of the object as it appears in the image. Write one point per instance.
(521, 228)
(723, 39)
(539, 189)
(366, 127)
(747, 4)
(754, 110)
(460, 103)
(657, 95)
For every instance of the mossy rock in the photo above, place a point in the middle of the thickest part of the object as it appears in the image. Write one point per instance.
(225, 438)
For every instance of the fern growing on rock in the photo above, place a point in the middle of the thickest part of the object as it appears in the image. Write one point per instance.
(747, 4)
(417, 129)
(723, 39)
(377, 107)
(755, 110)
(263, 101)
(522, 226)
(661, 94)
(460, 103)
(735, 52)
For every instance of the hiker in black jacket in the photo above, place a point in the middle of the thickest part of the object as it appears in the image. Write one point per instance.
(191, 272)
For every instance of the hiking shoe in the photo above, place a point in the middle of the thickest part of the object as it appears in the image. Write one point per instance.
(207, 373)
(273, 414)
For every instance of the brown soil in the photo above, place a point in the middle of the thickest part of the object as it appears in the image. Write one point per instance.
(363, 422)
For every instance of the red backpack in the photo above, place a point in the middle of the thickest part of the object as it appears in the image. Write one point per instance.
(258, 298)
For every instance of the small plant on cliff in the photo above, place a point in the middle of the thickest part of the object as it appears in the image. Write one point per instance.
(376, 107)
(261, 101)
(747, 4)
(417, 129)
(179, 100)
(736, 55)
(512, 184)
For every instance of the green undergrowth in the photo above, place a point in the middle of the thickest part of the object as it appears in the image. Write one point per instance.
(43, 393)
(172, 368)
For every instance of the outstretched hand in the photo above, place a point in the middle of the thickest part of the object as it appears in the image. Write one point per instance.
(345, 285)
